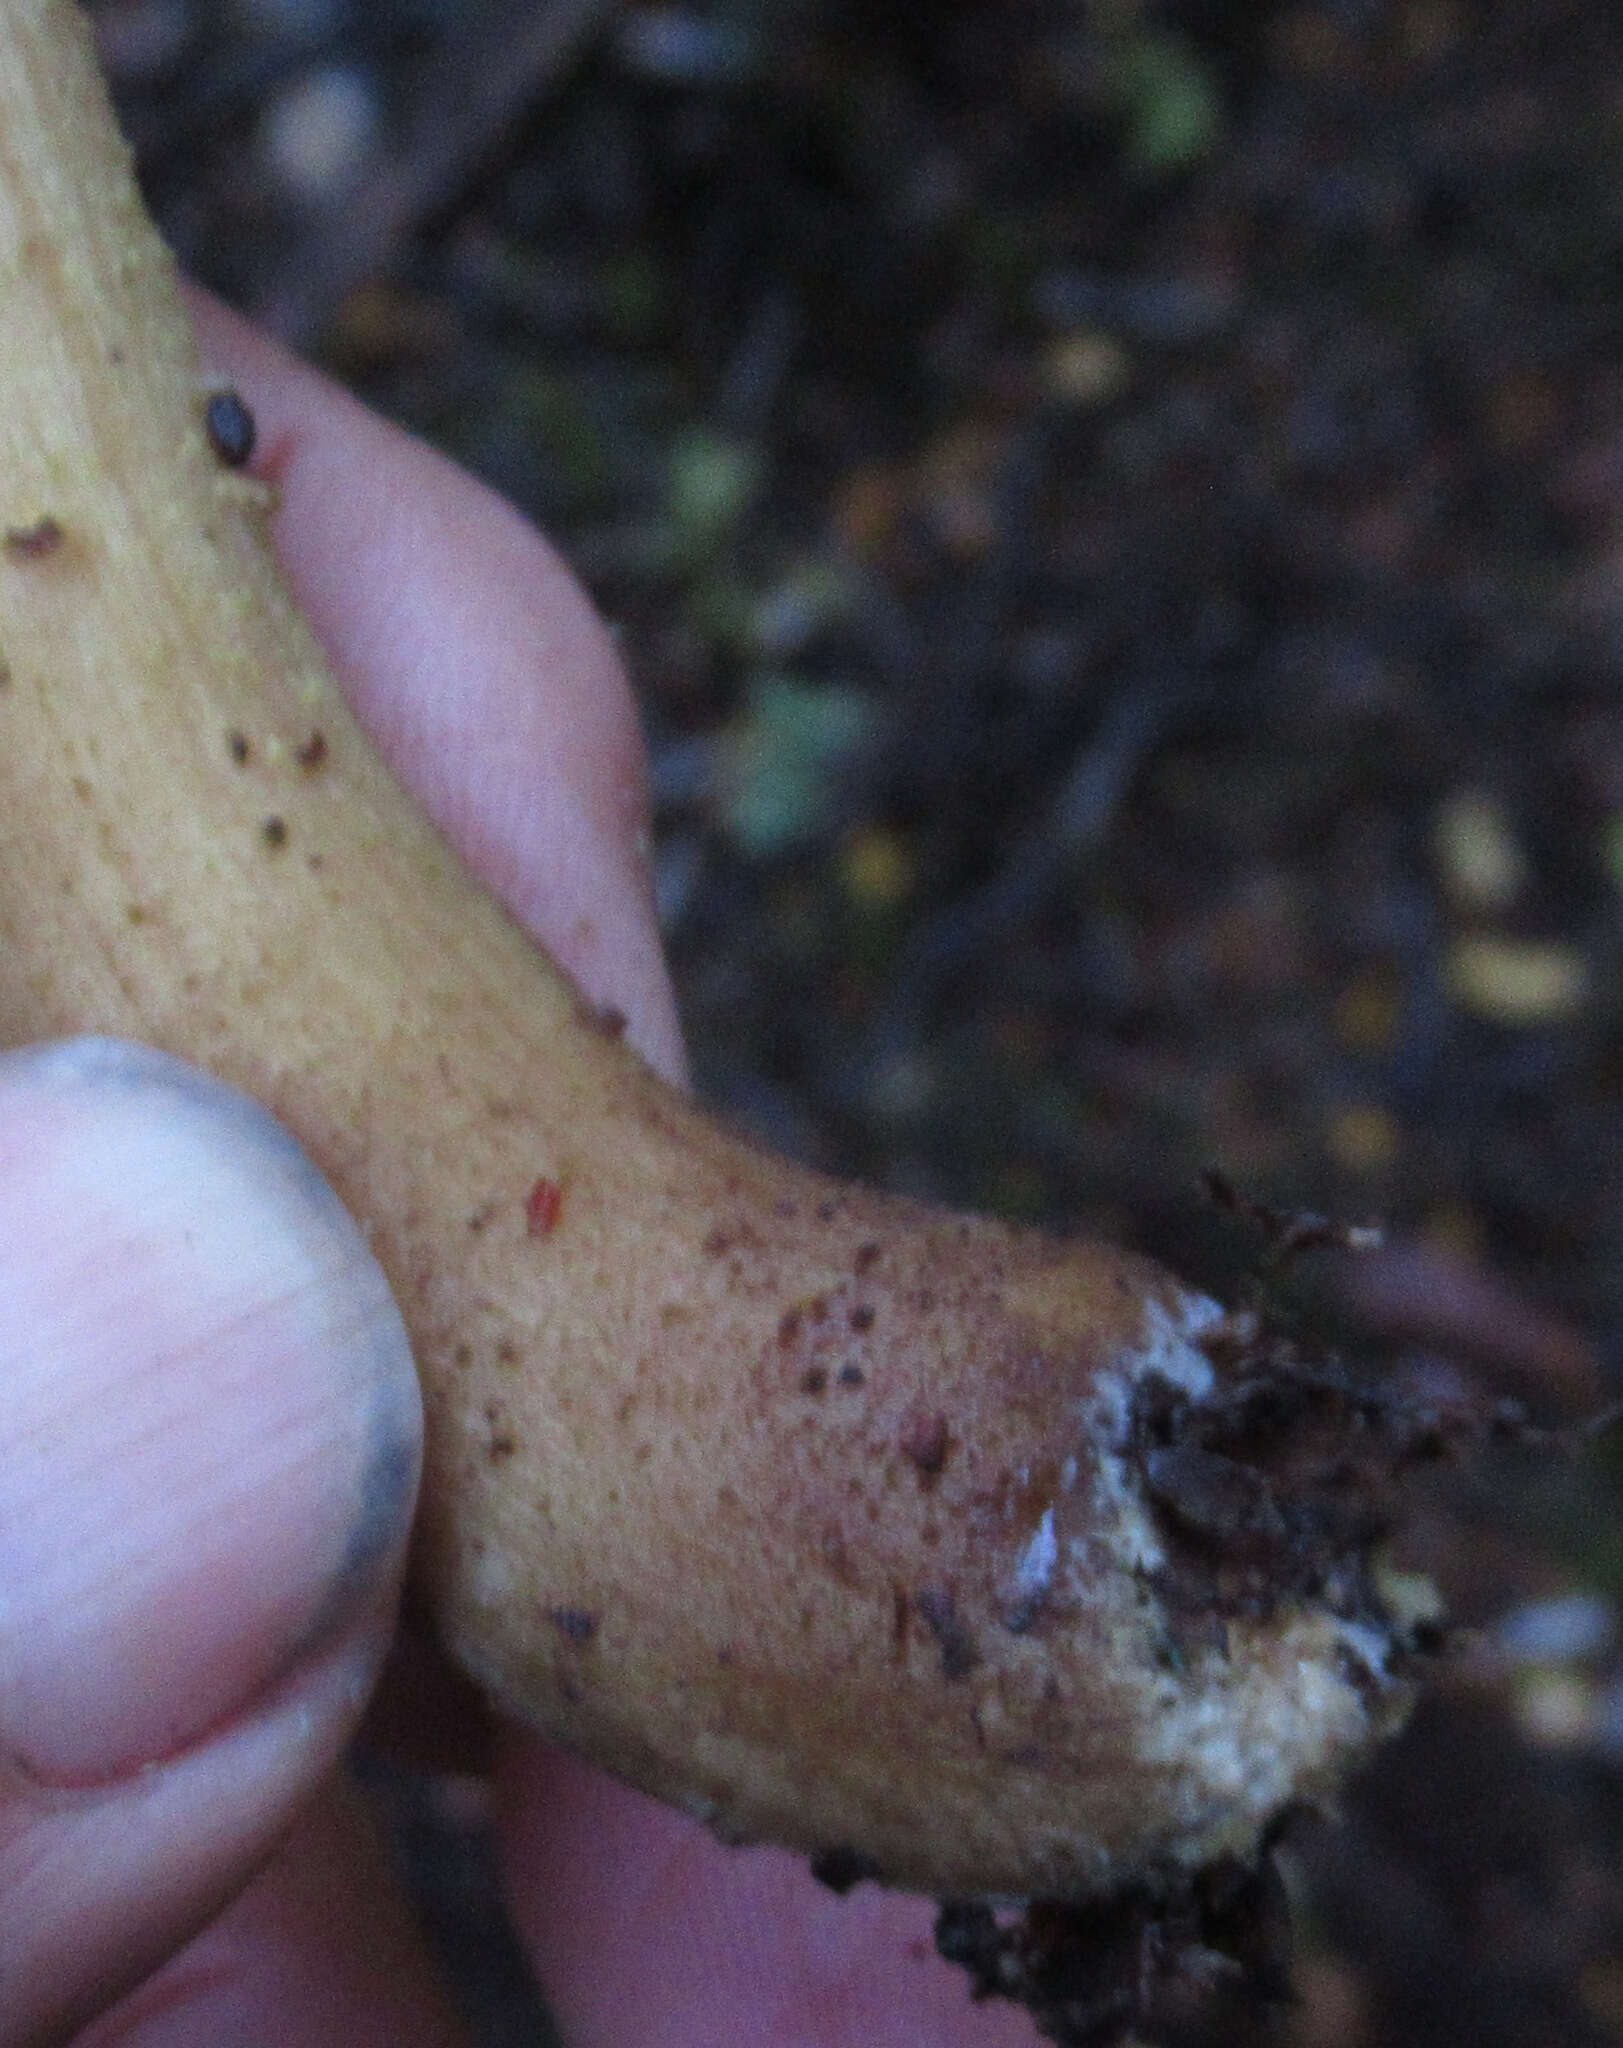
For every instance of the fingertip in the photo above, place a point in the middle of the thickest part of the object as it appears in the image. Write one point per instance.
(212, 1427)
(209, 1448)
(645, 1927)
(320, 1949)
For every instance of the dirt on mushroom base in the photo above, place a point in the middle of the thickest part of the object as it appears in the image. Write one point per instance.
(1277, 1483)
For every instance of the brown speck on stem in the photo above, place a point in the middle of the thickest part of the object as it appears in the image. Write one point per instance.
(603, 1018)
(313, 751)
(236, 745)
(34, 543)
(274, 833)
(503, 1443)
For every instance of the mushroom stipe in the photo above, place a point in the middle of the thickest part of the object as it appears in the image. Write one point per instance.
(958, 1556)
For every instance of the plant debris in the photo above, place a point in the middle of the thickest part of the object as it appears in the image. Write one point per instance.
(1092, 1975)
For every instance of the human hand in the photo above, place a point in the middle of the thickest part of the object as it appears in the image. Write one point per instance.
(208, 1439)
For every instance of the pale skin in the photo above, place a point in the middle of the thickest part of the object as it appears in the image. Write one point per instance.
(642, 1927)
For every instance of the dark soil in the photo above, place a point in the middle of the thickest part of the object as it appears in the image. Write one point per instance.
(1116, 515)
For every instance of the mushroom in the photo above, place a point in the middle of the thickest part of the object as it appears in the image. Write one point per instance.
(947, 1552)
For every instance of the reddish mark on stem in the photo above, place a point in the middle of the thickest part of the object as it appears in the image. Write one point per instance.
(543, 1206)
(925, 1442)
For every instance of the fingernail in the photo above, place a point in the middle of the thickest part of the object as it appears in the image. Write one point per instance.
(209, 1421)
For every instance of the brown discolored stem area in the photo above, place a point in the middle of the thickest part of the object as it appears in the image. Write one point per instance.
(835, 1520)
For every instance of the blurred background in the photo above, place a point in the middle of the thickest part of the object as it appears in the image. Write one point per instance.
(1115, 515)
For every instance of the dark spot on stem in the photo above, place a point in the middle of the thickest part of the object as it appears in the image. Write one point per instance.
(937, 1609)
(502, 1443)
(230, 427)
(34, 543)
(605, 1019)
(577, 1625)
(274, 833)
(236, 745)
(924, 1442)
(312, 753)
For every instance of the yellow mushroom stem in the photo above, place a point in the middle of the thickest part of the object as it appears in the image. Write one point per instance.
(945, 1550)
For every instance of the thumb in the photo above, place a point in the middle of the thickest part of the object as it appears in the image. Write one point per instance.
(209, 1444)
